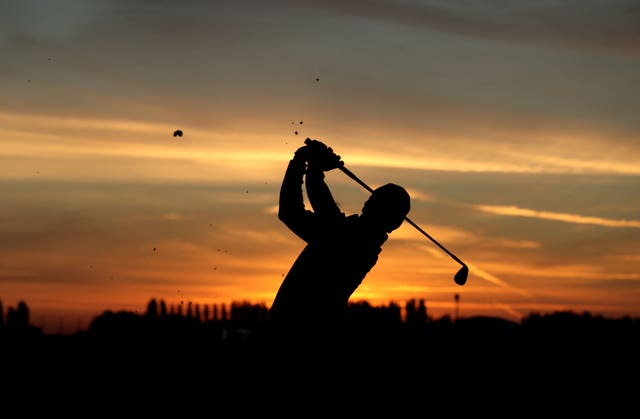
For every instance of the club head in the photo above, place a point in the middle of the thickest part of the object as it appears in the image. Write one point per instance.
(461, 276)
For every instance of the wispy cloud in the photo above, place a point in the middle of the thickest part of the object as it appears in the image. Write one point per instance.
(556, 216)
(581, 24)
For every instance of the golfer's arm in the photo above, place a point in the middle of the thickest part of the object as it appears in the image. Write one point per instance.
(291, 206)
(291, 203)
(319, 194)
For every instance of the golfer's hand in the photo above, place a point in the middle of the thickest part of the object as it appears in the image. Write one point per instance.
(319, 156)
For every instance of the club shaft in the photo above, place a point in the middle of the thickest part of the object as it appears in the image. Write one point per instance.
(356, 178)
(434, 241)
(417, 227)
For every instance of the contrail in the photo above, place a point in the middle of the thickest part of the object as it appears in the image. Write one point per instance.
(496, 281)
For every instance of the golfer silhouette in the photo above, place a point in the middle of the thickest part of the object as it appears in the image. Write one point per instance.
(341, 249)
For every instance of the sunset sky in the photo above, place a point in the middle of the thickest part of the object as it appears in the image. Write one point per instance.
(515, 126)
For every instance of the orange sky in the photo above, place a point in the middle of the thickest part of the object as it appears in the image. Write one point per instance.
(517, 138)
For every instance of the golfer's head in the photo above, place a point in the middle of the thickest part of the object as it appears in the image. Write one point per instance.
(387, 207)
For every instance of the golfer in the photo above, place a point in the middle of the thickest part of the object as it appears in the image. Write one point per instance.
(340, 249)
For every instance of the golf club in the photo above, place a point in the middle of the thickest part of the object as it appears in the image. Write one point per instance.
(461, 276)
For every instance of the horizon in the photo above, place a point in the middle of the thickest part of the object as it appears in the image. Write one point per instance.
(204, 313)
(220, 311)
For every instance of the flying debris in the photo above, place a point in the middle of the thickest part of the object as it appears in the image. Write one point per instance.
(177, 133)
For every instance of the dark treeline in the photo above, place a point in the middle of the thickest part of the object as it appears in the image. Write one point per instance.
(398, 354)
(246, 323)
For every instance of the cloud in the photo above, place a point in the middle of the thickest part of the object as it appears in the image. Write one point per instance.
(610, 25)
(590, 24)
(511, 210)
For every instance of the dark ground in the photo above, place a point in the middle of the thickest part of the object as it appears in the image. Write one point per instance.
(566, 364)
